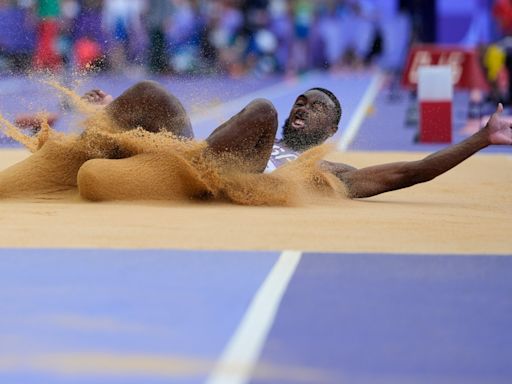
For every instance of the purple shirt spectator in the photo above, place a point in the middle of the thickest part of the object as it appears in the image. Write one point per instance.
(17, 30)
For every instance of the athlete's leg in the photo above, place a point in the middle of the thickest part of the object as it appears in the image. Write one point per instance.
(250, 134)
(146, 105)
(54, 167)
(146, 176)
(151, 107)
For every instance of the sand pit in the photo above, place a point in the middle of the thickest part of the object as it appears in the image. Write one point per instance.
(467, 210)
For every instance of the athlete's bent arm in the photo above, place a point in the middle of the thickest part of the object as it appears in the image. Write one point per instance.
(378, 179)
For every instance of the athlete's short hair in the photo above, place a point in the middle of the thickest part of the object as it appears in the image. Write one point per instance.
(334, 100)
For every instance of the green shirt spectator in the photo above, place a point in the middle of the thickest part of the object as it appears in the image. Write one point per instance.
(48, 9)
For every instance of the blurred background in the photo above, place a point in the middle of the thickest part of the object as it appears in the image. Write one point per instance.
(224, 45)
(238, 37)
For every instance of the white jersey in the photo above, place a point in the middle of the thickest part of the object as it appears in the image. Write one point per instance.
(279, 156)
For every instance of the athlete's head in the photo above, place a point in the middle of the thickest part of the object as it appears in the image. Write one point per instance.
(314, 118)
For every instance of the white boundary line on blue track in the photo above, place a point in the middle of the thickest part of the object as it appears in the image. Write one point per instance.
(241, 354)
(357, 119)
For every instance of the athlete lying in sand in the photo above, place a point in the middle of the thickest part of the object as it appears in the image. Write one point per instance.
(249, 135)
(314, 118)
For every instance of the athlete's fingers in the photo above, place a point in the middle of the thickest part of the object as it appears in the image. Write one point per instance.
(88, 96)
(108, 99)
(95, 96)
(92, 92)
(499, 109)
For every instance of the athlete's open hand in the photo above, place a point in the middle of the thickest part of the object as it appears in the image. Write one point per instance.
(499, 130)
(98, 97)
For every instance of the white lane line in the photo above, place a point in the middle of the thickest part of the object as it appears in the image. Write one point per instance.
(244, 348)
(357, 118)
(280, 89)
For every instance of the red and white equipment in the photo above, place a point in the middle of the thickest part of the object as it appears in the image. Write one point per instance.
(467, 72)
(435, 95)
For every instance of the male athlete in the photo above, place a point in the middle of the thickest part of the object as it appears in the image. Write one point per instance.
(250, 134)
(314, 117)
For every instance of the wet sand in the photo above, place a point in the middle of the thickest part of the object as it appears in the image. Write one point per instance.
(466, 211)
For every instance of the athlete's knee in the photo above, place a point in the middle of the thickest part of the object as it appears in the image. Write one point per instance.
(149, 93)
(150, 106)
(263, 107)
(149, 87)
(263, 112)
(136, 100)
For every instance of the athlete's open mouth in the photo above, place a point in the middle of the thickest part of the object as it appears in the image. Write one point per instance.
(298, 121)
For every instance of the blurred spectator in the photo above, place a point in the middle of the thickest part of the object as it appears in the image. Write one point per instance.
(88, 36)
(232, 36)
(300, 21)
(395, 26)
(348, 29)
(502, 11)
(17, 36)
(157, 18)
(423, 19)
(260, 43)
(69, 12)
(46, 55)
(494, 60)
(282, 27)
(123, 25)
(185, 34)
(225, 22)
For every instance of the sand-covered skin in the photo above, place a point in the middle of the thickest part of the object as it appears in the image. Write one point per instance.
(467, 210)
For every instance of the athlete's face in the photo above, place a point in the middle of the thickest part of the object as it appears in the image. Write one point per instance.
(312, 120)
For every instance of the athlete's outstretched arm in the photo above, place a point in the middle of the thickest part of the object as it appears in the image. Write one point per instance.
(378, 179)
